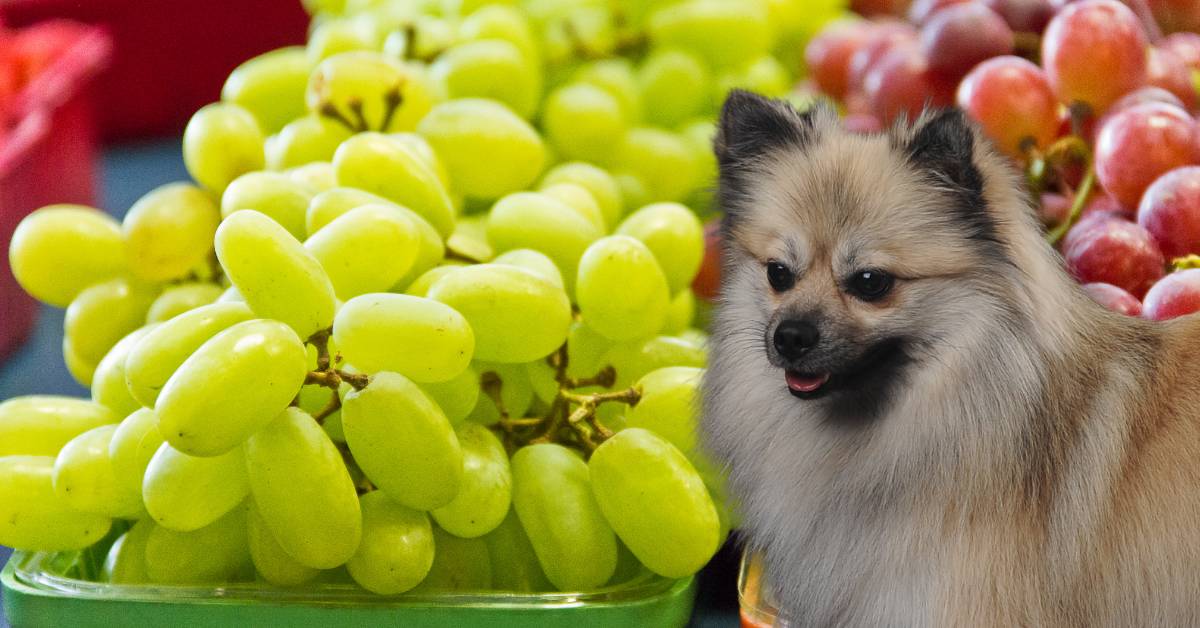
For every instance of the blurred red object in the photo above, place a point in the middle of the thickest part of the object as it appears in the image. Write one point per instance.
(169, 58)
(48, 153)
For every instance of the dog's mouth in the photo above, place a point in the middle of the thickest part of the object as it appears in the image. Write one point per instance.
(880, 364)
(806, 385)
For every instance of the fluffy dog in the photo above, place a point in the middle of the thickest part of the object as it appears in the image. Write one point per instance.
(925, 420)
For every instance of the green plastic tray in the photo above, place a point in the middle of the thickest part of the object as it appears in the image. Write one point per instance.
(50, 590)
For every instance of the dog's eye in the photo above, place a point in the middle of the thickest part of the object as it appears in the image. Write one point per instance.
(780, 276)
(870, 285)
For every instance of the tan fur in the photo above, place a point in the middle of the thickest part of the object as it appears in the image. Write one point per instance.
(1040, 466)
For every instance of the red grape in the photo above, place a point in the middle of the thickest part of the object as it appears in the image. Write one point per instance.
(1082, 230)
(1102, 203)
(1146, 94)
(1176, 295)
(1011, 99)
(1117, 252)
(1167, 70)
(1170, 211)
(958, 38)
(1176, 15)
(1113, 298)
(1139, 144)
(1186, 45)
(1094, 51)
(828, 55)
(922, 10)
(1026, 16)
(902, 84)
(883, 38)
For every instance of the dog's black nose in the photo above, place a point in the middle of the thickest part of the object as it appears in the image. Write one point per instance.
(794, 338)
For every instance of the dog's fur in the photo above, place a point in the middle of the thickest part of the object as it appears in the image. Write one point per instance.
(1020, 457)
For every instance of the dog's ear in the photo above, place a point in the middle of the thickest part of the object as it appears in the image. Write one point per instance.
(751, 125)
(943, 145)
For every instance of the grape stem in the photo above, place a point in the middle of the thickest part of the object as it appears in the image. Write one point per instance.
(1077, 205)
(391, 103)
(333, 379)
(330, 111)
(335, 404)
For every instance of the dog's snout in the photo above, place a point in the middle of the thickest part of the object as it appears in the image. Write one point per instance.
(793, 338)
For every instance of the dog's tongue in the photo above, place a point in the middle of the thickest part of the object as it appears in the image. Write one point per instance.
(805, 383)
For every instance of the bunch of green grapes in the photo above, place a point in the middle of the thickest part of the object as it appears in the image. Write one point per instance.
(422, 320)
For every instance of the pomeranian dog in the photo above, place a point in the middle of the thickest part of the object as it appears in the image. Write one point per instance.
(925, 420)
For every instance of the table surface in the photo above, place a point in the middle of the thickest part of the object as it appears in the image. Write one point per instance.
(127, 172)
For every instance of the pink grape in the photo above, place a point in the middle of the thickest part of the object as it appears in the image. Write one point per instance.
(1178, 294)
(901, 84)
(1166, 69)
(1113, 298)
(959, 37)
(1094, 51)
(828, 55)
(1170, 211)
(1026, 16)
(922, 10)
(1087, 223)
(1011, 99)
(1139, 144)
(1118, 252)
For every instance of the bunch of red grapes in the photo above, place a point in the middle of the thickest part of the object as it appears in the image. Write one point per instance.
(1095, 99)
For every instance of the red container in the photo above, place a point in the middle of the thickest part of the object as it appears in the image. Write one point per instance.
(48, 155)
(171, 56)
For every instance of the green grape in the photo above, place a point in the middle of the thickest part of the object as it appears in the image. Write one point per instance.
(233, 385)
(764, 75)
(469, 239)
(457, 396)
(581, 120)
(186, 493)
(488, 150)
(579, 199)
(270, 561)
(489, 68)
(583, 31)
(530, 220)
(215, 554)
(674, 87)
(634, 192)
(419, 338)
(336, 36)
(155, 357)
(516, 392)
(385, 166)
(421, 148)
(33, 517)
(274, 273)
(458, 565)
(397, 548)
(403, 442)
(422, 38)
(497, 21)
(533, 261)
(673, 233)
(597, 181)
(662, 160)
(270, 86)
(586, 350)
(273, 194)
(222, 141)
(367, 91)
(59, 250)
(109, 387)
(181, 298)
(516, 315)
(318, 176)
(628, 566)
(103, 314)
(617, 77)
(133, 445)
(125, 562)
(621, 290)
(681, 313)
(303, 491)
(420, 286)
(169, 231)
(79, 368)
(655, 501)
(699, 136)
(552, 495)
(39, 425)
(486, 490)
(725, 34)
(84, 477)
(695, 338)
(542, 379)
(231, 295)
(514, 563)
(367, 249)
(668, 405)
(634, 359)
(309, 138)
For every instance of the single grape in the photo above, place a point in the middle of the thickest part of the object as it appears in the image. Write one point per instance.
(59, 250)
(103, 314)
(271, 193)
(1024, 16)
(1117, 252)
(882, 38)
(307, 139)
(533, 261)
(424, 150)
(536, 221)
(621, 265)
(456, 397)
(485, 492)
(270, 561)
(367, 249)
(84, 477)
(222, 141)
(674, 235)
(680, 313)
(419, 338)
(661, 159)
(1168, 70)
(39, 425)
(186, 493)
(318, 176)
(1177, 294)
(180, 298)
(215, 554)
(367, 91)
(1012, 100)
(618, 78)
(231, 387)
(1186, 46)
(959, 37)
(1093, 52)
(674, 86)
(1114, 298)
(489, 68)
(900, 84)
(339, 35)
(109, 386)
(397, 549)
(725, 34)
(579, 199)
(668, 403)
(388, 167)
(420, 286)
(516, 315)
(632, 360)
(459, 565)
(595, 180)
(80, 369)
(514, 562)
(133, 445)
(125, 562)
(169, 231)
(274, 273)
(469, 134)
(303, 491)
(1140, 144)
(1170, 211)
(552, 495)
(270, 86)
(32, 515)
(498, 21)
(828, 55)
